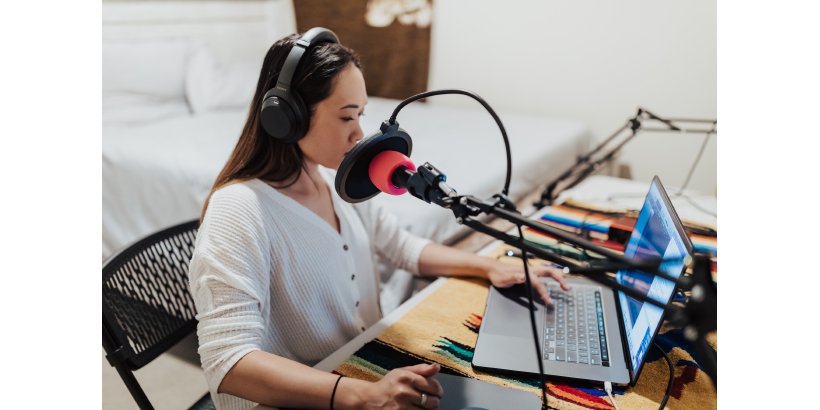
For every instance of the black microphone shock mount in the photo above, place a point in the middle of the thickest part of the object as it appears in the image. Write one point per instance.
(698, 317)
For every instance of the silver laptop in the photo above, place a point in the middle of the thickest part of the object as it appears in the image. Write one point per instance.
(591, 332)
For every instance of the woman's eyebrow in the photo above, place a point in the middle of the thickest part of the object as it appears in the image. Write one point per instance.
(350, 106)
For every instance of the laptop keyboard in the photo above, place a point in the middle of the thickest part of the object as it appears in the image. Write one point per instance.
(575, 331)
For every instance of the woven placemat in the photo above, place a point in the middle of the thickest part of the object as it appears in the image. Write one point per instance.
(443, 329)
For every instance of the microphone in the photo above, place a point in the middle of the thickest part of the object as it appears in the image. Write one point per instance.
(353, 178)
(389, 172)
(380, 163)
(353, 182)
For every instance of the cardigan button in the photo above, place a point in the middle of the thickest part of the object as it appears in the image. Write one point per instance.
(353, 277)
(362, 328)
(357, 303)
(345, 247)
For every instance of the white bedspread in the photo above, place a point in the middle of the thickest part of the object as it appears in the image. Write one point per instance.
(158, 174)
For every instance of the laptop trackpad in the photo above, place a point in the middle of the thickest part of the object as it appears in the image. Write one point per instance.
(465, 393)
(508, 314)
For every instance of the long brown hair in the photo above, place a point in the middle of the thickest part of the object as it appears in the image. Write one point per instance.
(258, 155)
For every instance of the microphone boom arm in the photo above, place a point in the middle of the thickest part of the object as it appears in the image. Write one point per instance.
(698, 316)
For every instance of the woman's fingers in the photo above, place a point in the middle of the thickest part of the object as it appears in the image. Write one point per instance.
(557, 275)
(431, 403)
(427, 385)
(541, 288)
(419, 383)
(424, 369)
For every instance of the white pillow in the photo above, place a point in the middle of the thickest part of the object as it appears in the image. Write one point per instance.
(210, 86)
(143, 81)
(127, 109)
(155, 68)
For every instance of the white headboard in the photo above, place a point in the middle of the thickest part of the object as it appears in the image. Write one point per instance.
(233, 30)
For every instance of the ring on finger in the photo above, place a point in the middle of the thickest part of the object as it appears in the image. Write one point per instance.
(423, 399)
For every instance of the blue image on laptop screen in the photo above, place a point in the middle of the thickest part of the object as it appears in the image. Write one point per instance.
(654, 236)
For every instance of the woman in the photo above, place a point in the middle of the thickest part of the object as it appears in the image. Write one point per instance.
(283, 272)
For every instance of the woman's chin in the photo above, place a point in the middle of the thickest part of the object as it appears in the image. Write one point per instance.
(335, 166)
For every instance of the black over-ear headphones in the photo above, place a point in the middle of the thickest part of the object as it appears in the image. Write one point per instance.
(284, 115)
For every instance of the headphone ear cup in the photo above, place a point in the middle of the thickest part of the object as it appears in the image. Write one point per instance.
(278, 117)
(284, 116)
(302, 115)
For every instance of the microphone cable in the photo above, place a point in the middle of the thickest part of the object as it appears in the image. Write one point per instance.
(608, 385)
(671, 375)
(697, 160)
(483, 104)
(532, 321)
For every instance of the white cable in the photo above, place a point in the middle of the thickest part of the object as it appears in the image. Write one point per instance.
(608, 388)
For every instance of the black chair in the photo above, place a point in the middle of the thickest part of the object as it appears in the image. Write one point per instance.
(147, 305)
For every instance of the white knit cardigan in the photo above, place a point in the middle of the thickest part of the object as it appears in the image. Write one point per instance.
(269, 274)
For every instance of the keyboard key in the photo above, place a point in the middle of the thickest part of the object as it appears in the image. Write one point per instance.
(582, 348)
(583, 360)
(560, 343)
(552, 350)
(571, 347)
(596, 352)
(582, 354)
(560, 354)
(596, 360)
(572, 357)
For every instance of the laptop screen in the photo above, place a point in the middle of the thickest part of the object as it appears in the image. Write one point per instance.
(655, 236)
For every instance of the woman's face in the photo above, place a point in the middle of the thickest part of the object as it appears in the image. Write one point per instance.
(334, 128)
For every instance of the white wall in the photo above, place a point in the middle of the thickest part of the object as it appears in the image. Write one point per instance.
(233, 30)
(592, 61)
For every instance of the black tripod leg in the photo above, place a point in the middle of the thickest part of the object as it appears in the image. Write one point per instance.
(709, 358)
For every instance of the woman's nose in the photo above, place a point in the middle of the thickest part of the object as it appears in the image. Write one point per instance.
(358, 134)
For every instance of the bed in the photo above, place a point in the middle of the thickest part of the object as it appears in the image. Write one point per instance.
(163, 146)
(159, 174)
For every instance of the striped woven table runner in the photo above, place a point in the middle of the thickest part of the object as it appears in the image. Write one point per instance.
(443, 329)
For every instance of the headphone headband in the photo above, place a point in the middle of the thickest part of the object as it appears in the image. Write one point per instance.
(284, 115)
(313, 37)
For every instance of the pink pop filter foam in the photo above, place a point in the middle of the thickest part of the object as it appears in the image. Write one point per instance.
(382, 168)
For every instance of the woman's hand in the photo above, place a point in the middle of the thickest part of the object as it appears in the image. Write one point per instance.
(402, 389)
(504, 275)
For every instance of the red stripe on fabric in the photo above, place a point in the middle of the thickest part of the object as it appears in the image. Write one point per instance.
(580, 398)
(688, 376)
